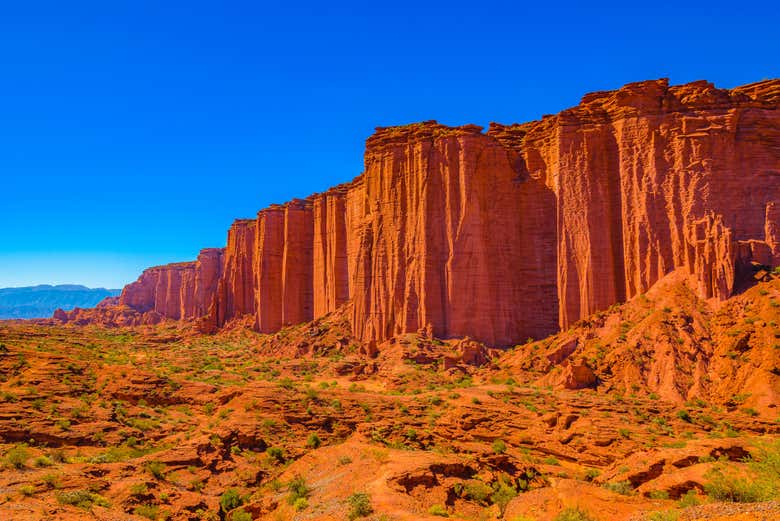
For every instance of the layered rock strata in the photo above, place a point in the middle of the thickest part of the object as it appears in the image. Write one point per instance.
(511, 233)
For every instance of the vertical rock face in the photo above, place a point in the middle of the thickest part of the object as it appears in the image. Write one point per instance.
(207, 274)
(511, 233)
(297, 263)
(456, 238)
(772, 230)
(181, 291)
(235, 289)
(330, 284)
(269, 254)
(284, 266)
(634, 170)
(712, 257)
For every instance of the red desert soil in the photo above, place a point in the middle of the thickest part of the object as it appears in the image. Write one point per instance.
(638, 412)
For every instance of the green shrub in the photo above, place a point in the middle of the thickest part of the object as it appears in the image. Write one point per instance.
(313, 441)
(82, 499)
(301, 504)
(761, 483)
(139, 489)
(43, 461)
(503, 494)
(156, 469)
(658, 494)
(147, 511)
(27, 490)
(684, 415)
(477, 491)
(592, 474)
(620, 487)
(663, 515)
(116, 454)
(17, 456)
(230, 499)
(275, 454)
(438, 510)
(51, 480)
(574, 514)
(725, 485)
(240, 515)
(689, 499)
(359, 505)
(297, 489)
(8, 397)
(499, 447)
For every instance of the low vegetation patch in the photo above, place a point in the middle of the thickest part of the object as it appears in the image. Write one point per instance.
(17, 457)
(620, 487)
(240, 515)
(574, 514)
(359, 505)
(149, 512)
(759, 480)
(298, 493)
(82, 499)
(438, 510)
(156, 469)
(230, 500)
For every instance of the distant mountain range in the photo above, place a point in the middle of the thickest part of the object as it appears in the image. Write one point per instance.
(41, 301)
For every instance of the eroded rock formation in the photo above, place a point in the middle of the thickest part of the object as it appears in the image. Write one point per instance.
(181, 291)
(511, 233)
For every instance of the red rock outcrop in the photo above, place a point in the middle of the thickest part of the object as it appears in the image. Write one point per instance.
(456, 238)
(712, 257)
(235, 289)
(511, 233)
(208, 270)
(329, 254)
(180, 291)
(772, 230)
(283, 266)
(633, 171)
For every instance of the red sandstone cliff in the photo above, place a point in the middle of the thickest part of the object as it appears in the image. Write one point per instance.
(510, 233)
(181, 291)
(455, 237)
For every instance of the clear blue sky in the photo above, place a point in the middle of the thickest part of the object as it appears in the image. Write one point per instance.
(133, 133)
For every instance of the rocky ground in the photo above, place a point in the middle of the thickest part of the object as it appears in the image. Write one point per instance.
(663, 408)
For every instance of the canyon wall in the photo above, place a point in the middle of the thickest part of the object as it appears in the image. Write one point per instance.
(455, 238)
(511, 233)
(181, 291)
(636, 170)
